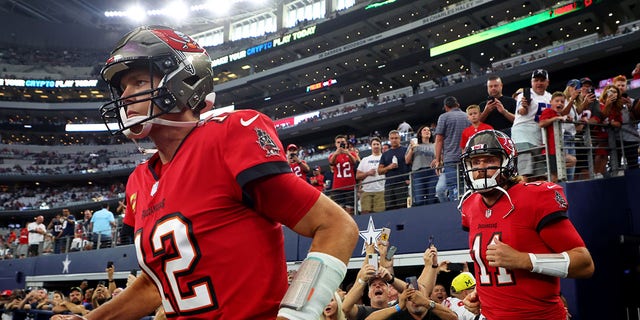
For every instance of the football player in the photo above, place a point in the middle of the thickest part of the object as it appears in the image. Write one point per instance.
(520, 237)
(206, 209)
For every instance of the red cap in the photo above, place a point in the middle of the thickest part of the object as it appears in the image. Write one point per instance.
(6, 293)
(292, 146)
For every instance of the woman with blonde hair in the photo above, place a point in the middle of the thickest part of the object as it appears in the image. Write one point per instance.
(333, 311)
(611, 107)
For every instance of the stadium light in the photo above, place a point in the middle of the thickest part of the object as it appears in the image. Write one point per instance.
(177, 10)
(136, 14)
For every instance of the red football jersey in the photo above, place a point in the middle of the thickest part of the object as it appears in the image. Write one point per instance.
(297, 169)
(210, 254)
(551, 141)
(516, 294)
(343, 173)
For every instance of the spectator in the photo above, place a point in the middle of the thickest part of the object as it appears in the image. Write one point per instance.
(530, 103)
(629, 130)
(372, 198)
(23, 243)
(611, 107)
(530, 237)
(473, 114)
(462, 285)
(343, 164)
(420, 154)
(405, 130)
(317, 179)
(37, 230)
(448, 134)
(101, 226)
(525, 131)
(569, 129)
(393, 166)
(73, 304)
(298, 166)
(498, 110)
(55, 227)
(48, 244)
(333, 311)
(635, 73)
(547, 118)
(588, 110)
(64, 238)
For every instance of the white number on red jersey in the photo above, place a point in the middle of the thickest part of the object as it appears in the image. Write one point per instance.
(344, 170)
(172, 238)
(502, 275)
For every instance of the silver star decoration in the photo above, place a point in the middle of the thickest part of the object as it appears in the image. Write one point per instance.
(65, 263)
(371, 234)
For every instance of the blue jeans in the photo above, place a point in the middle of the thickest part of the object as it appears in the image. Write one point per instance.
(424, 186)
(570, 148)
(447, 186)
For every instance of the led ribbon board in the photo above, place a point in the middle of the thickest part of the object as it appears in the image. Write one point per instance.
(506, 28)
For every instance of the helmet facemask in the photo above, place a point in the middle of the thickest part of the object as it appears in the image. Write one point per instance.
(493, 143)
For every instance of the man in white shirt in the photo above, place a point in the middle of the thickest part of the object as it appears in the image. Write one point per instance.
(530, 103)
(372, 198)
(461, 286)
(36, 229)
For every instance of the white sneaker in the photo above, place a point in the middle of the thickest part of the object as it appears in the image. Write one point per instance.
(598, 176)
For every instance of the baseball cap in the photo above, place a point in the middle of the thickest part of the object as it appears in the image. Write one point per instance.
(316, 168)
(6, 293)
(463, 281)
(574, 83)
(75, 289)
(292, 146)
(586, 80)
(540, 73)
(451, 102)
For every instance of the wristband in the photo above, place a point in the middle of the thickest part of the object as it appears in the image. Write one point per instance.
(360, 281)
(435, 266)
(393, 278)
(550, 264)
(398, 308)
(312, 287)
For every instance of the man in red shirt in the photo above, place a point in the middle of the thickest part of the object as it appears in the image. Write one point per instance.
(520, 237)
(298, 166)
(23, 243)
(206, 209)
(344, 164)
(317, 179)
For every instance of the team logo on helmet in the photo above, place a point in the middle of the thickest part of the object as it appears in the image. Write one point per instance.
(266, 143)
(178, 40)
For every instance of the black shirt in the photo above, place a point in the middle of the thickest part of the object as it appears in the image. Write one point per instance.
(497, 120)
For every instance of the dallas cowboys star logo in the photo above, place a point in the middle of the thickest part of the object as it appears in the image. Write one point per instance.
(65, 264)
(370, 235)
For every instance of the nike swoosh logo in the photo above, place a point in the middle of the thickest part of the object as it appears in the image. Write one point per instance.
(250, 121)
(551, 187)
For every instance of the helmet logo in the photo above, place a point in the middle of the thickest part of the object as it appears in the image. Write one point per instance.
(178, 40)
(266, 143)
(479, 146)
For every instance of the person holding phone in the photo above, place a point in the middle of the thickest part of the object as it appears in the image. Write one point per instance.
(498, 110)
(211, 185)
(344, 166)
(530, 103)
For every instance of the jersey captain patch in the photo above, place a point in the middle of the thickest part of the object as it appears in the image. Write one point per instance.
(266, 143)
(560, 200)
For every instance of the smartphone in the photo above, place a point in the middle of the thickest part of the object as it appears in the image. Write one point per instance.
(412, 281)
(431, 241)
(526, 93)
(101, 283)
(109, 264)
(134, 272)
(384, 235)
(390, 252)
(373, 260)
